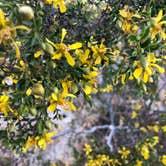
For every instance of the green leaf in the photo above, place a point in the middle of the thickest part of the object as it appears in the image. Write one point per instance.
(144, 34)
(40, 127)
(145, 43)
(154, 46)
(3, 134)
(21, 84)
(132, 37)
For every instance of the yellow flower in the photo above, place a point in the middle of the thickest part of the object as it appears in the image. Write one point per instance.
(155, 141)
(41, 142)
(156, 128)
(63, 50)
(7, 33)
(61, 5)
(28, 91)
(146, 68)
(124, 153)
(125, 24)
(163, 128)
(56, 3)
(127, 27)
(145, 152)
(134, 115)
(87, 89)
(2, 18)
(163, 159)
(38, 53)
(22, 64)
(139, 163)
(125, 13)
(31, 142)
(108, 88)
(99, 53)
(87, 149)
(58, 98)
(91, 75)
(157, 26)
(83, 56)
(4, 107)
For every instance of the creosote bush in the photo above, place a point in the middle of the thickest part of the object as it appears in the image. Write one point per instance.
(53, 51)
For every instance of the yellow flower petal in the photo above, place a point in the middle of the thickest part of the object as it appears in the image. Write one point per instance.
(87, 89)
(98, 60)
(42, 143)
(92, 74)
(28, 91)
(71, 105)
(163, 35)
(85, 56)
(69, 58)
(62, 6)
(57, 56)
(131, 77)
(2, 18)
(64, 32)
(52, 107)
(123, 13)
(137, 72)
(134, 114)
(145, 77)
(159, 16)
(4, 98)
(18, 54)
(160, 69)
(54, 96)
(151, 58)
(75, 46)
(123, 77)
(136, 15)
(38, 53)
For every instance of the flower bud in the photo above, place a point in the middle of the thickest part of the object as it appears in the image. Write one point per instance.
(74, 88)
(26, 12)
(49, 49)
(33, 111)
(38, 89)
(2, 73)
(48, 124)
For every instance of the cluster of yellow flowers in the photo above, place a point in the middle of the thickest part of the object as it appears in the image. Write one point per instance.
(5, 107)
(103, 159)
(56, 3)
(146, 68)
(126, 22)
(81, 63)
(82, 58)
(35, 142)
(145, 151)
